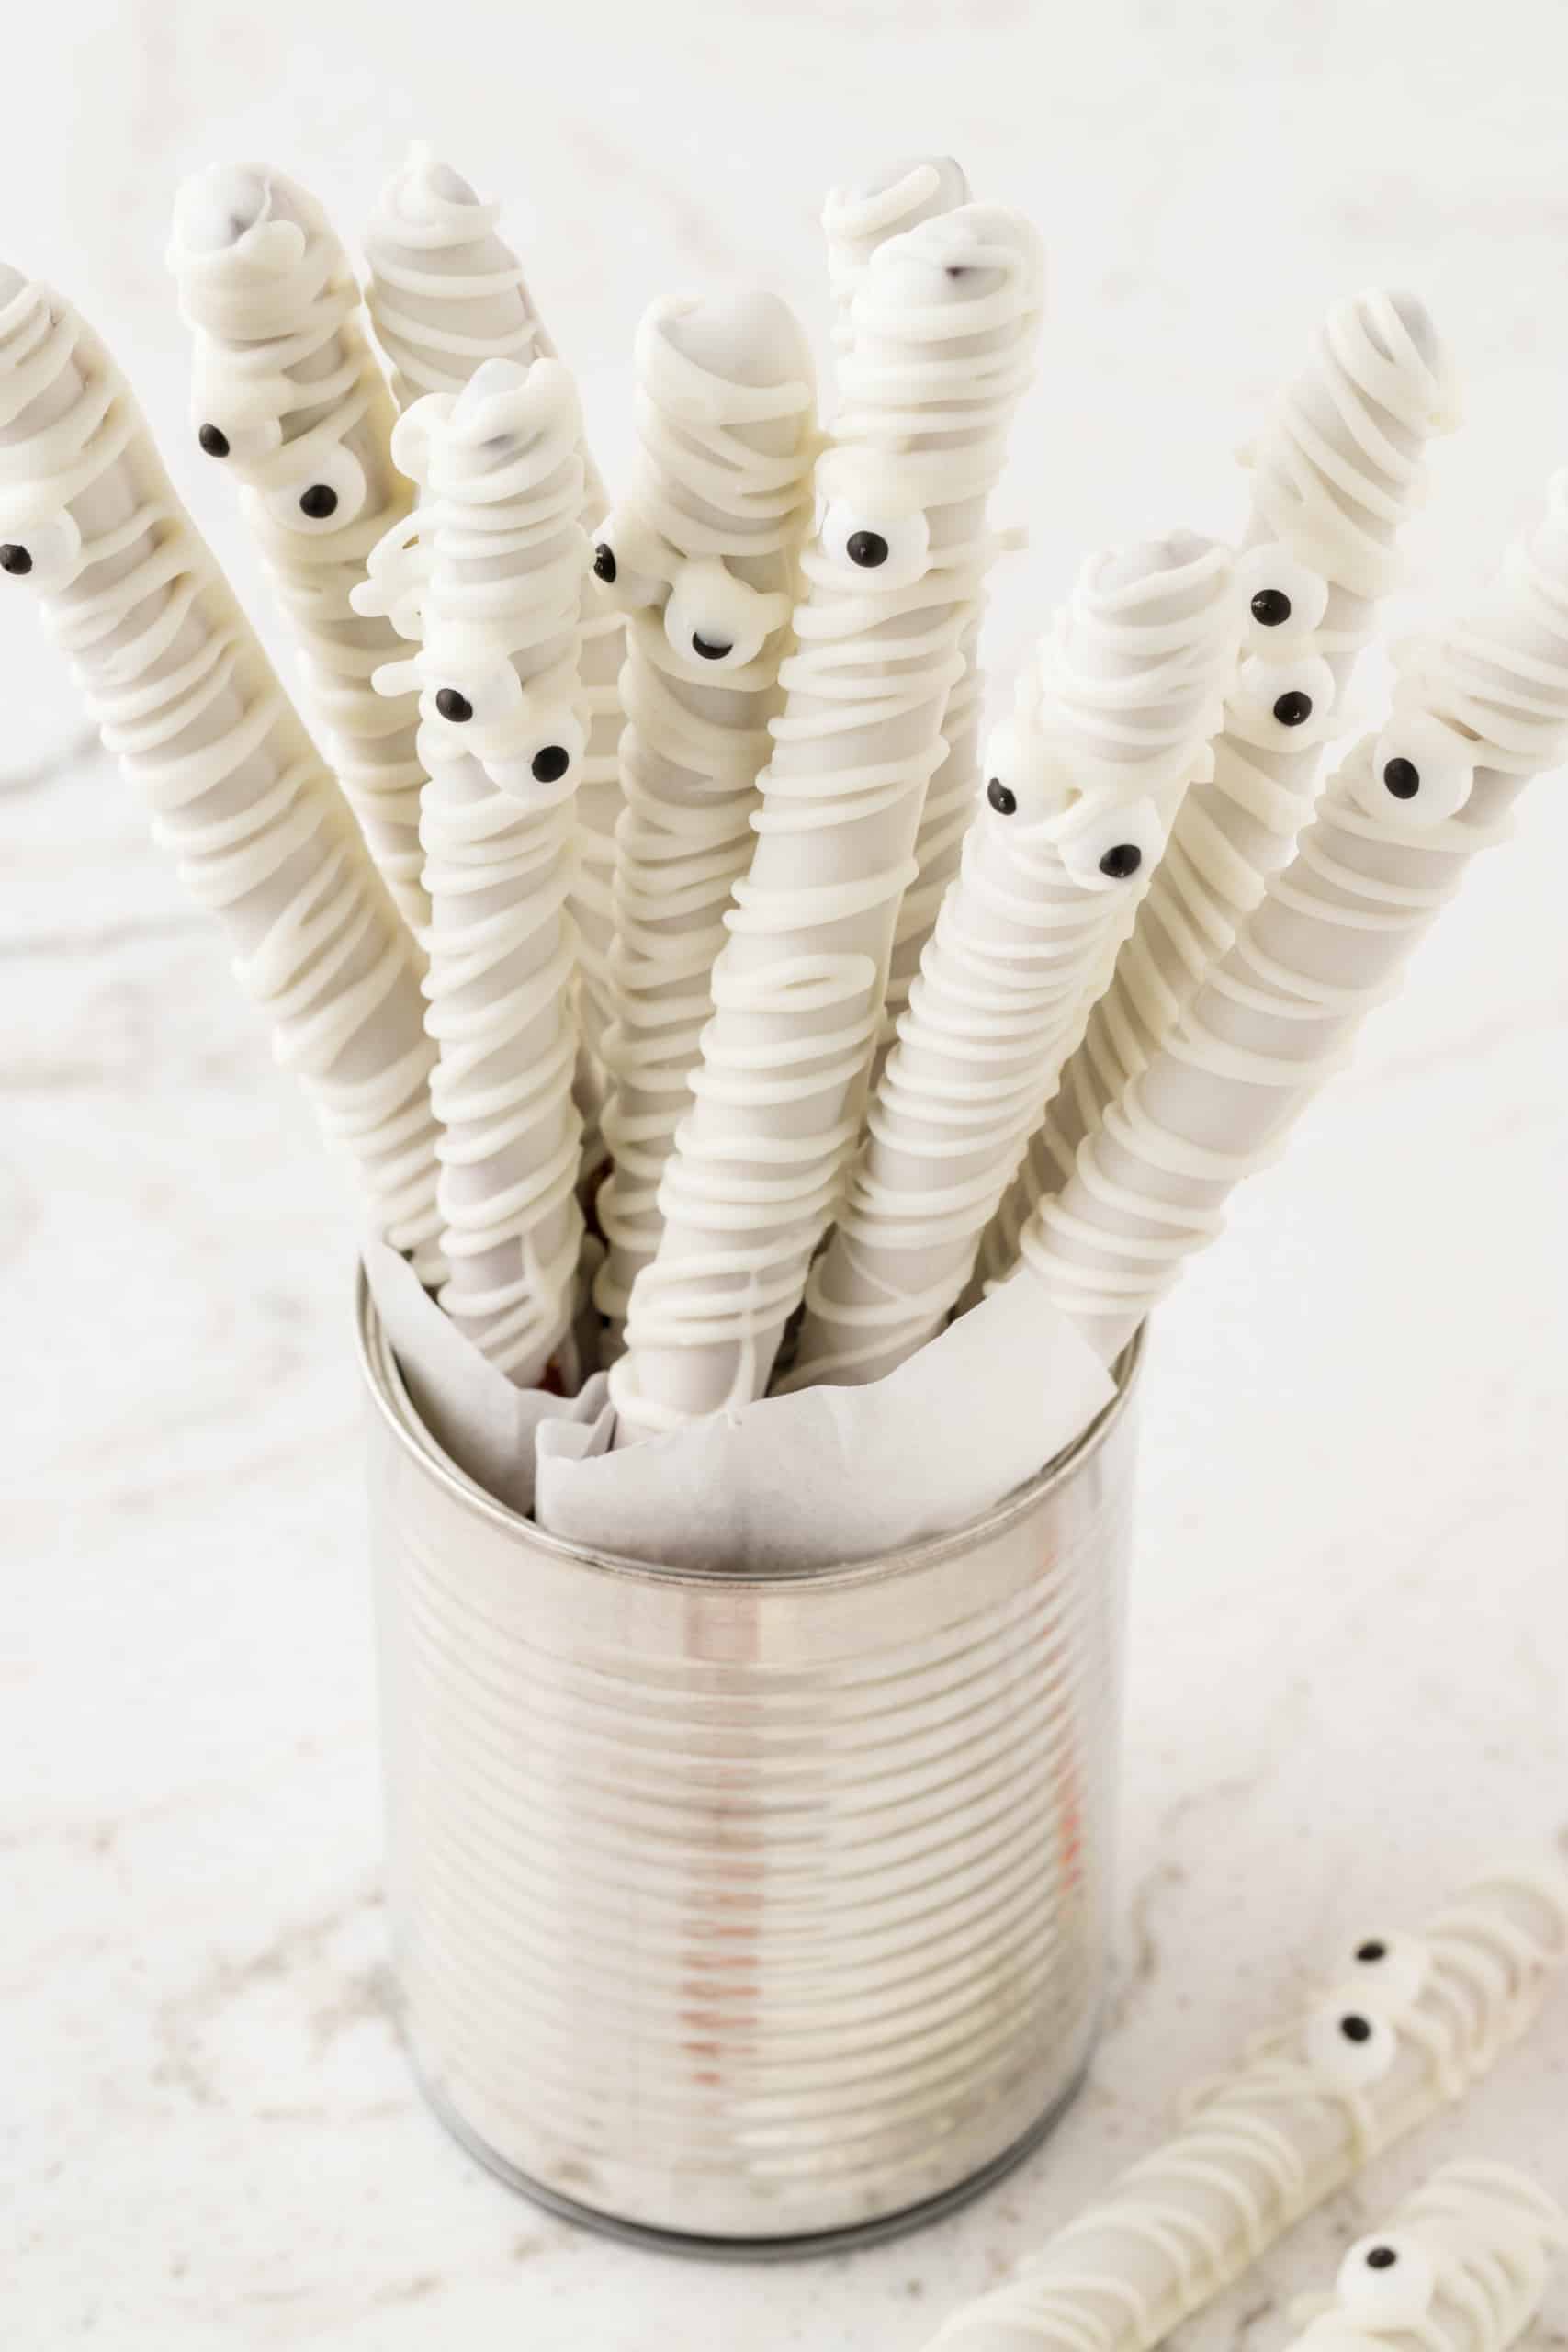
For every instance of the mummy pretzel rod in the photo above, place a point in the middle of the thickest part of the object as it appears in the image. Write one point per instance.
(488, 574)
(288, 398)
(856, 221)
(1110, 729)
(1336, 473)
(943, 325)
(705, 558)
(188, 704)
(1412, 2022)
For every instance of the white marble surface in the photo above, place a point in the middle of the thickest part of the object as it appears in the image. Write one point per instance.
(1350, 1615)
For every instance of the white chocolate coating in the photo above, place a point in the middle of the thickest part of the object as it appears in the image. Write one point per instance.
(488, 573)
(289, 395)
(1262, 2147)
(445, 293)
(944, 326)
(1328, 943)
(1461, 2266)
(1338, 471)
(1108, 736)
(709, 543)
(188, 704)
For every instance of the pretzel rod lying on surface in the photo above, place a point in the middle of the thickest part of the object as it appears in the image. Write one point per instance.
(488, 574)
(944, 322)
(1414, 2021)
(445, 293)
(287, 398)
(1480, 709)
(705, 558)
(1113, 721)
(1336, 475)
(188, 704)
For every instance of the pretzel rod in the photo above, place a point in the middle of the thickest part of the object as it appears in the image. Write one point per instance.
(1478, 712)
(1336, 475)
(488, 574)
(856, 221)
(944, 322)
(188, 704)
(1110, 727)
(1462, 2267)
(1415, 2022)
(445, 293)
(705, 557)
(288, 398)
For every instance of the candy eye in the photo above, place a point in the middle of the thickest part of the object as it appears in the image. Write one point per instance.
(718, 620)
(331, 495)
(545, 767)
(1021, 778)
(1423, 766)
(242, 445)
(1393, 1969)
(883, 551)
(1112, 844)
(1283, 597)
(47, 554)
(1348, 2047)
(1273, 699)
(482, 703)
(632, 563)
(1387, 2282)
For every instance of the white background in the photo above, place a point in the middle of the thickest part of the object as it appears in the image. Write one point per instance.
(1350, 1617)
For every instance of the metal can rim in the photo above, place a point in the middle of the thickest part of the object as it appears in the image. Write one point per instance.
(384, 1380)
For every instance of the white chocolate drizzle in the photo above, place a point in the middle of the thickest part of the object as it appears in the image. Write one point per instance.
(487, 574)
(1112, 725)
(1337, 473)
(1327, 944)
(188, 704)
(291, 402)
(708, 555)
(1261, 2147)
(944, 322)
(445, 293)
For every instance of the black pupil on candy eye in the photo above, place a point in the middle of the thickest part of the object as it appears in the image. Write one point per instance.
(454, 705)
(14, 559)
(706, 651)
(605, 562)
(319, 502)
(1292, 708)
(550, 764)
(1271, 606)
(1003, 801)
(1121, 861)
(1373, 1950)
(1355, 2028)
(1381, 2257)
(214, 441)
(1403, 778)
(868, 548)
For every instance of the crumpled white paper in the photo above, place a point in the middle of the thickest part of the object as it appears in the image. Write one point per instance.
(807, 1481)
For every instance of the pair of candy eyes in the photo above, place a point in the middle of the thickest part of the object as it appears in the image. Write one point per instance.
(1118, 864)
(327, 501)
(547, 765)
(607, 568)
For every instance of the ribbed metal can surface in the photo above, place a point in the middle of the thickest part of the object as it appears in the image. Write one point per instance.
(748, 1911)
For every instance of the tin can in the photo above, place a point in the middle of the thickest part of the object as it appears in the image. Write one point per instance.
(748, 1915)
